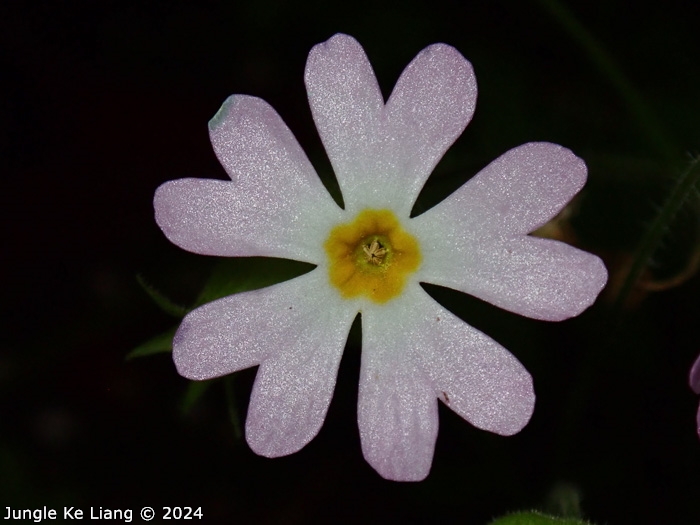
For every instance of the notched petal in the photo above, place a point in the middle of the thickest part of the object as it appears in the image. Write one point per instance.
(474, 375)
(276, 206)
(475, 240)
(243, 330)
(379, 152)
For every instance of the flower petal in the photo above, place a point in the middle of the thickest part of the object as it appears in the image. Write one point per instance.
(538, 278)
(432, 103)
(517, 193)
(346, 104)
(695, 376)
(474, 375)
(276, 205)
(297, 331)
(294, 388)
(243, 330)
(378, 152)
(397, 410)
(695, 385)
(474, 240)
(415, 351)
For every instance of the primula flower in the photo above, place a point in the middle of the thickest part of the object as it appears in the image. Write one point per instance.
(695, 384)
(371, 256)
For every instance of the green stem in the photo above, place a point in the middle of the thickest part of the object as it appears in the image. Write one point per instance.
(684, 186)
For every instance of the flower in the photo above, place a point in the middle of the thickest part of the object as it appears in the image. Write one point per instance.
(371, 256)
(695, 384)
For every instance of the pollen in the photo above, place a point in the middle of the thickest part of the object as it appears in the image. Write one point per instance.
(371, 256)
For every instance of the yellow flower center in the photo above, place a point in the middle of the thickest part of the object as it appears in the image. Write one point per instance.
(371, 256)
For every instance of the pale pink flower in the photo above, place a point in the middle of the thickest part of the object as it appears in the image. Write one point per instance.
(695, 385)
(414, 351)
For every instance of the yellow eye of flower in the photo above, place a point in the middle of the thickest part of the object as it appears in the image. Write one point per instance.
(371, 256)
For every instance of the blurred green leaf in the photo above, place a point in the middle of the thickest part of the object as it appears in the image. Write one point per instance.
(536, 518)
(195, 391)
(564, 499)
(241, 274)
(160, 344)
(163, 302)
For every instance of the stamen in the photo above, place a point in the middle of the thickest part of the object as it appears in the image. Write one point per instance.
(374, 252)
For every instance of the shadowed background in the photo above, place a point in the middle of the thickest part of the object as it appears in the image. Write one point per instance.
(102, 102)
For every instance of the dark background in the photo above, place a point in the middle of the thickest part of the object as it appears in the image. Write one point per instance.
(103, 101)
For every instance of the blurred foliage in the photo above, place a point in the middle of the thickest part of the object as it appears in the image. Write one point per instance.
(536, 518)
(157, 345)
